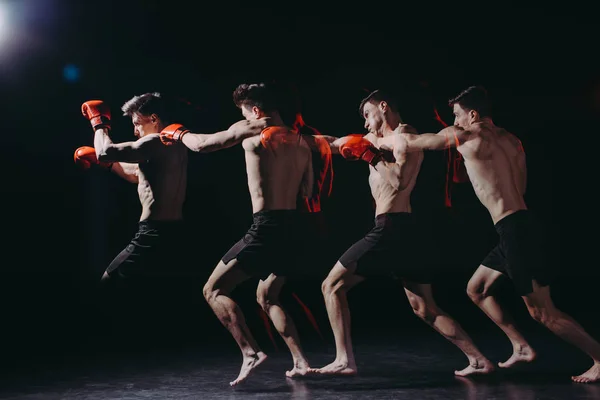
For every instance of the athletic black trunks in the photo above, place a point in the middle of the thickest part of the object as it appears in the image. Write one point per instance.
(388, 250)
(518, 253)
(153, 245)
(270, 245)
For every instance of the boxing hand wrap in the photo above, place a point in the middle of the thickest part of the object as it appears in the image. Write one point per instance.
(273, 136)
(97, 112)
(358, 148)
(173, 134)
(85, 156)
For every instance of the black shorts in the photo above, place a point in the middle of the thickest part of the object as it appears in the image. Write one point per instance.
(270, 245)
(519, 253)
(152, 246)
(388, 250)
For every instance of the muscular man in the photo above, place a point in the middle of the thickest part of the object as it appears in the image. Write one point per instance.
(386, 249)
(279, 169)
(159, 172)
(495, 163)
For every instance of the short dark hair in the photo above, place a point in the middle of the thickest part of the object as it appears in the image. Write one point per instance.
(259, 95)
(147, 104)
(377, 97)
(473, 98)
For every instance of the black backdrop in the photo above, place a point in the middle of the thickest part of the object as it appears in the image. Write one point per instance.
(63, 225)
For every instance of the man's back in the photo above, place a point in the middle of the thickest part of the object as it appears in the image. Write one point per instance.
(279, 172)
(495, 165)
(163, 183)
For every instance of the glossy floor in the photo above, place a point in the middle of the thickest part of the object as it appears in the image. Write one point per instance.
(416, 368)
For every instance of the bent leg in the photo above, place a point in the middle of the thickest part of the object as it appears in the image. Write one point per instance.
(334, 288)
(267, 295)
(542, 309)
(221, 282)
(479, 290)
(421, 299)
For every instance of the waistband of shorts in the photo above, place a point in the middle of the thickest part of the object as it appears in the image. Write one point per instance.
(275, 214)
(517, 215)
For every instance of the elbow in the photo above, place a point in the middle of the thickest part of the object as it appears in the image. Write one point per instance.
(105, 154)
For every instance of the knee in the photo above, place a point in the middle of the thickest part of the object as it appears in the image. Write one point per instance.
(330, 286)
(477, 291)
(209, 292)
(422, 310)
(540, 315)
(264, 299)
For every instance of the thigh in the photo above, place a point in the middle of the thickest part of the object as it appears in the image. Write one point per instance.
(270, 288)
(344, 276)
(418, 293)
(141, 253)
(367, 257)
(225, 277)
(483, 279)
(496, 260)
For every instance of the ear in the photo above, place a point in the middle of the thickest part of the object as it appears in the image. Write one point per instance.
(473, 115)
(256, 111)
(154, 119)
(383, 106)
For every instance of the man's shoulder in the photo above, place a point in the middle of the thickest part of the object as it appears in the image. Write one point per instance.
(406, 128)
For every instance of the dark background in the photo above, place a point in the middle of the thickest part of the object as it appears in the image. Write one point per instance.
(62, 226)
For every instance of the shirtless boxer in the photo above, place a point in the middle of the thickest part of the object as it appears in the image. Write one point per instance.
(385, 249)
(495, 162)
(279, 169)
(159, 172)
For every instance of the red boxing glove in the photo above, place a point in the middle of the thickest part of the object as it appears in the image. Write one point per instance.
(97, 112)
(273, 136)
(86, 156)
(358, 148)
(173, 134)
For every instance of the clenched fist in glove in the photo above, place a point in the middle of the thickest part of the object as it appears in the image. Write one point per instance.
(97, 112)
(173, 134)
(359, 148)
(86, 156)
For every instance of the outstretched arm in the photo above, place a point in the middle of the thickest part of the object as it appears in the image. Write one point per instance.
(336, 142)
(131, 152)
(205, 143)
(451, 136)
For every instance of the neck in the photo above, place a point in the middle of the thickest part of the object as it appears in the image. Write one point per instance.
(276, 119)
(391, 123)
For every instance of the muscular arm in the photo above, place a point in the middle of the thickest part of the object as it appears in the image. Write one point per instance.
(451, 136)
(334, 142)
(205, 143)
(129, 152)
(127, 171)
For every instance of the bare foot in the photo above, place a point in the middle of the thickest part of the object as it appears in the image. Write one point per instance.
(336, 368)
(477, 367)
(589, 376)
(523, 354)
(248, 365)
(301, 368)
